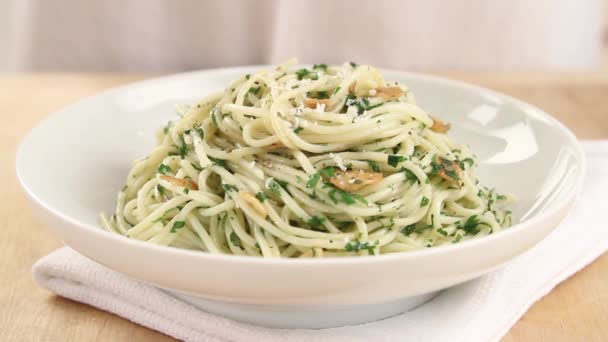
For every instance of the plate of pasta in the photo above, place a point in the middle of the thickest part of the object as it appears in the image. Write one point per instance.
(301, 196)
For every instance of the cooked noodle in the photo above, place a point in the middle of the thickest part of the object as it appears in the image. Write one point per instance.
(328, 161)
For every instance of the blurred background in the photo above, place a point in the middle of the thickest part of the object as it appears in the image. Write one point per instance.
(166, 36)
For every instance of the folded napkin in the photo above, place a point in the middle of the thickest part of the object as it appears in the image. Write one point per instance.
(480, 310)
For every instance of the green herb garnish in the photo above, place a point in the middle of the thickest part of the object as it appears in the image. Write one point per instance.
(394, 160)
(320, 67)
(261, 196)
(302, 73)
(362, 104)
(470, 226)
(235, 240)
(373, 165)
(347, 197)
(214, 113)
(163, 169)
(219, 162)
(274, 186)
(313, 180)
(177, 225)
(469, 161)
(409, 175)
(318, 95)
(229, 187)
(329, 171)
(183, 148)
(424, 202)
(407, 230)
(199, 130)
(332, 195)
(316, 222)
(356, 246)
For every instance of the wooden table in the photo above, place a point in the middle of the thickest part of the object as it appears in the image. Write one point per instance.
(577, 310)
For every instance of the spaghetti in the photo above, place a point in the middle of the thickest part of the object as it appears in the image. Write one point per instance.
(320, 162)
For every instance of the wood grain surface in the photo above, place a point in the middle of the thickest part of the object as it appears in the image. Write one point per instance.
(576, 310)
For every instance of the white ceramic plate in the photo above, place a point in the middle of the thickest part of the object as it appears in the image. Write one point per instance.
(73, 163)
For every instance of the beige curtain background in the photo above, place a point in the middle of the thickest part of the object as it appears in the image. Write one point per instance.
(165, 35)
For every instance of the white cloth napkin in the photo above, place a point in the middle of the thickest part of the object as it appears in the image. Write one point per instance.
(480, 310)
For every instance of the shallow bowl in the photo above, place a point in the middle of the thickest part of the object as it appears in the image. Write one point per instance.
(73, 163)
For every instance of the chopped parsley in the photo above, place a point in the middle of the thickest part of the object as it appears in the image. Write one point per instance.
(457, 239)
(320, 67)
(298, 130)
(424, 202)
(254, 90)
(353, 64)
(235, 240)
(248, 76)
(470, 226)
(219, 162)
(183, 148)
(469, 161)
(274, 186)
(261, 196)
(229, 187)
(177, 225)
(329, 171)
(316, 222)
(213, 118)
(407, 230)
(362, 104)
(442, 232)
(409, 175)
(356, 246)
(318, 95)
(186, 190)
(163, 169)
(345, 196)
(163, 218)
(199, 130)
(302, 73)
(313, 180)
(282, 183)
(373, 165)
(161, 189)
(336, 90)
(394, 160)
(332, 195)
